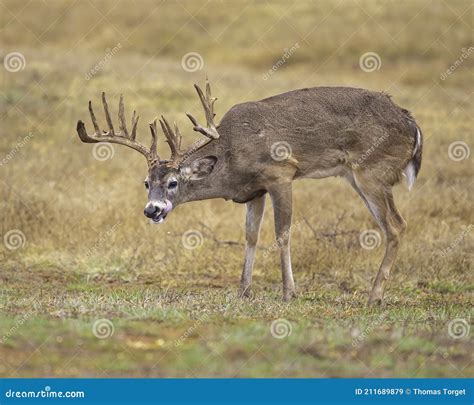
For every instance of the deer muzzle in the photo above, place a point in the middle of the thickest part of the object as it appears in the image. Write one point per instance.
(158, 210)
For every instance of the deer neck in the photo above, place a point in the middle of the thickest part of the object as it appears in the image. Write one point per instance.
(215, 185)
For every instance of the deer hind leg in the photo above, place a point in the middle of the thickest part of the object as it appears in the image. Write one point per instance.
(281, 196)
(255, 209)
(397, 218)
(379, 199)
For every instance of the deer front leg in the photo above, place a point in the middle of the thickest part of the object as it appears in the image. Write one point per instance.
(282, 209)
(255, 209)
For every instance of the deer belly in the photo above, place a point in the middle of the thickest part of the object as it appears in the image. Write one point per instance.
(321, 173)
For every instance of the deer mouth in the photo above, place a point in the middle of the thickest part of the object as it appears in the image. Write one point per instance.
(158, 219)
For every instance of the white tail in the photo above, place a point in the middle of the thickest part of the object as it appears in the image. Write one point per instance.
(410, 171)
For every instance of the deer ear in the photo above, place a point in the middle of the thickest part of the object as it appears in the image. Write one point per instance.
(200, 168)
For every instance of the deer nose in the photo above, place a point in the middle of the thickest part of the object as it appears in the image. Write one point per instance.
(150, 210)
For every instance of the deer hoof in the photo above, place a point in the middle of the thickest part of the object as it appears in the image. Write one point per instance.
(288, 295)
(245, 292)
(375, 301)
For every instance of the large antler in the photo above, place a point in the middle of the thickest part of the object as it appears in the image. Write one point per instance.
(122, 137)
(208, 105)
(173, 136)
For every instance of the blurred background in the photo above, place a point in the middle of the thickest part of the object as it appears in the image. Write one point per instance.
(89, 288)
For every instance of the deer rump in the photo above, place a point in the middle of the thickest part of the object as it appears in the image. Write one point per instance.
(326, 131)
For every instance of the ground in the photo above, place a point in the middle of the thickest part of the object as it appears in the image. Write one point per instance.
(89, 288)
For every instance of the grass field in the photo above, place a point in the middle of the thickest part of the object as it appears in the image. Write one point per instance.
(89, 288)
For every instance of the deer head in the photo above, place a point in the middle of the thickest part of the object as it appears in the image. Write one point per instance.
(167, 180)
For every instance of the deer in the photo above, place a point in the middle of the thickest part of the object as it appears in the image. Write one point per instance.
(261, 147)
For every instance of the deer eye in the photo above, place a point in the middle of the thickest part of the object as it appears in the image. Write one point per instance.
(147, 186)
(172, 184)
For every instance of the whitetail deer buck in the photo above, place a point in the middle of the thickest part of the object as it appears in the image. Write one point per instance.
(324, 131)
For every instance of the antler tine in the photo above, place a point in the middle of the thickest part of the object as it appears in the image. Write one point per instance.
(121, 116)
(211, 101)
(154, 140)
(208, 104)
(205, 104)
(135, 118)
(94, 120)
(178, 136)
(107, 115)
(170, 137)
